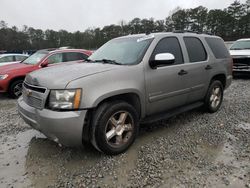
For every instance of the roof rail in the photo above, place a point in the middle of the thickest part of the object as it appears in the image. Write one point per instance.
(190, 31)
(185, 31)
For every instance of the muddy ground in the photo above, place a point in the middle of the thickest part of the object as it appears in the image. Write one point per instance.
(194, 149)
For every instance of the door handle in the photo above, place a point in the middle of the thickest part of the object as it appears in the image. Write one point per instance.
(208, 67)
(182, 72)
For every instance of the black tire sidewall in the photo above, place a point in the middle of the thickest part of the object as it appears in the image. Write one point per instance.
(101, 118)
(11, 89)
(208, 106)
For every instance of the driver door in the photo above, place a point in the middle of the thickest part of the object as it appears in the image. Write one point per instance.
(165, 86)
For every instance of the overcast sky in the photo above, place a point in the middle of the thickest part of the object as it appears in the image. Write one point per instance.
(73, 15)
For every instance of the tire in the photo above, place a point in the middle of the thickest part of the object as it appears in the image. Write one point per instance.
(115, 127)
(214, 96)
(15, 89)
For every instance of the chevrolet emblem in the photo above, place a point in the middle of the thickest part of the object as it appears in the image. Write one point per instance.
(28, 92)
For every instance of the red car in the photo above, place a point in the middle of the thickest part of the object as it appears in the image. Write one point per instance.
(12, 76)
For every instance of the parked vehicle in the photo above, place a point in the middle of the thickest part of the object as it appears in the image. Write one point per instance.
(229, 44)
(6, 59)
(12, 76)
(240, 51)
(131, 80)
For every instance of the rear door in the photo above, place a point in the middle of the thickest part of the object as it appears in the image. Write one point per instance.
(198, 68)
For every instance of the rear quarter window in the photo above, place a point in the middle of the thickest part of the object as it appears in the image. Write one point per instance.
(218, 48)
(195, 49)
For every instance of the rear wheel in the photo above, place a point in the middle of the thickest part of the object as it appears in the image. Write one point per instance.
(115, 126)
(15, 89)
(214, 96)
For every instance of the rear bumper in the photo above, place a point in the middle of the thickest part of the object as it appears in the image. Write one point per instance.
(65, 128)
(229, 81)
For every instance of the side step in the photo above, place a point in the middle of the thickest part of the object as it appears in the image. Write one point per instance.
(168, 114)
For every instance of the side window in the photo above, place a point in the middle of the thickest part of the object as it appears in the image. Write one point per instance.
(195, 49)
(218, 48)
(74, 56)
(7, 59)
(20, 58)
(169, 45)
(55, 58)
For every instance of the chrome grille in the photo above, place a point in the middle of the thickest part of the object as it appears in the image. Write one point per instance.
(34, 95)
(34, 102)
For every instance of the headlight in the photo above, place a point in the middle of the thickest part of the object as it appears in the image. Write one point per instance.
(2, 77)
(65, 99)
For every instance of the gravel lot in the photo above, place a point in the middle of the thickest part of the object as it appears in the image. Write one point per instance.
(194, 149)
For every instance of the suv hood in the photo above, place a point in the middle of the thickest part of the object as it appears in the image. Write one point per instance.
(13, 67)
(240, 53)
(58, 77)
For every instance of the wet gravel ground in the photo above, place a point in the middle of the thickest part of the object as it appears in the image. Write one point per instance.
(194, 149)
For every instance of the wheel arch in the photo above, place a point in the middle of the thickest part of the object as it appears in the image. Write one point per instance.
(15, 79)
(221, 77)
(130, 97)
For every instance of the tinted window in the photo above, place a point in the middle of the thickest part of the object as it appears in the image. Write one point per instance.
(74, 56)
(218, 48)
(195, 49)
(6, 59)
(169, 45)
(55, 58)
(20, 58)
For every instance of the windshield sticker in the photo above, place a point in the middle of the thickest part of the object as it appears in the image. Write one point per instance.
(145, 38)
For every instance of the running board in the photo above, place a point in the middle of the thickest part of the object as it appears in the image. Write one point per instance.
(168, 114)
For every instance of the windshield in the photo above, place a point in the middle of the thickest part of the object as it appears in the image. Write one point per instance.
(35, 58)
(241, 45)
(124, 51)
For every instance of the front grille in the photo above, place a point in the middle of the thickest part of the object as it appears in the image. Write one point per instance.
(34, 88)
(34, 102)
(241, 63)
(34, 95)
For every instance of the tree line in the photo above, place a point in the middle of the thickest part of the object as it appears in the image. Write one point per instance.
(230, 23)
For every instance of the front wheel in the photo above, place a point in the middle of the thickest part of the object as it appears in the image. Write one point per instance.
(214, 96)
(115, 126)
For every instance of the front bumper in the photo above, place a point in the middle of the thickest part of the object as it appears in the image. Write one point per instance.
(4, 85)
(65, 128)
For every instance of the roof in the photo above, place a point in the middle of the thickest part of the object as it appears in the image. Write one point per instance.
(177, 33)
(52, 50)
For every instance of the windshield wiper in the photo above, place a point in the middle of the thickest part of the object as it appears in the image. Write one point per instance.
(108, 61)
(88, 60)
(237, 49)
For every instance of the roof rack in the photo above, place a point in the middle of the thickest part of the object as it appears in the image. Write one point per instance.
(190, 31)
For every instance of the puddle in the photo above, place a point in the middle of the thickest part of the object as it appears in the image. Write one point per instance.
(29, 159)
(12, 159)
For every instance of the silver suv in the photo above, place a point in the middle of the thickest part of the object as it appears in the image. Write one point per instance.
(129, 80)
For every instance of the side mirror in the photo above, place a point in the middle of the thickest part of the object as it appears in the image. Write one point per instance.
(162, 59)
(45, 63)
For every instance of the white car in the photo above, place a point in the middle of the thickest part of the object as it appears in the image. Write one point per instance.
(6, 59)
(240, 52)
